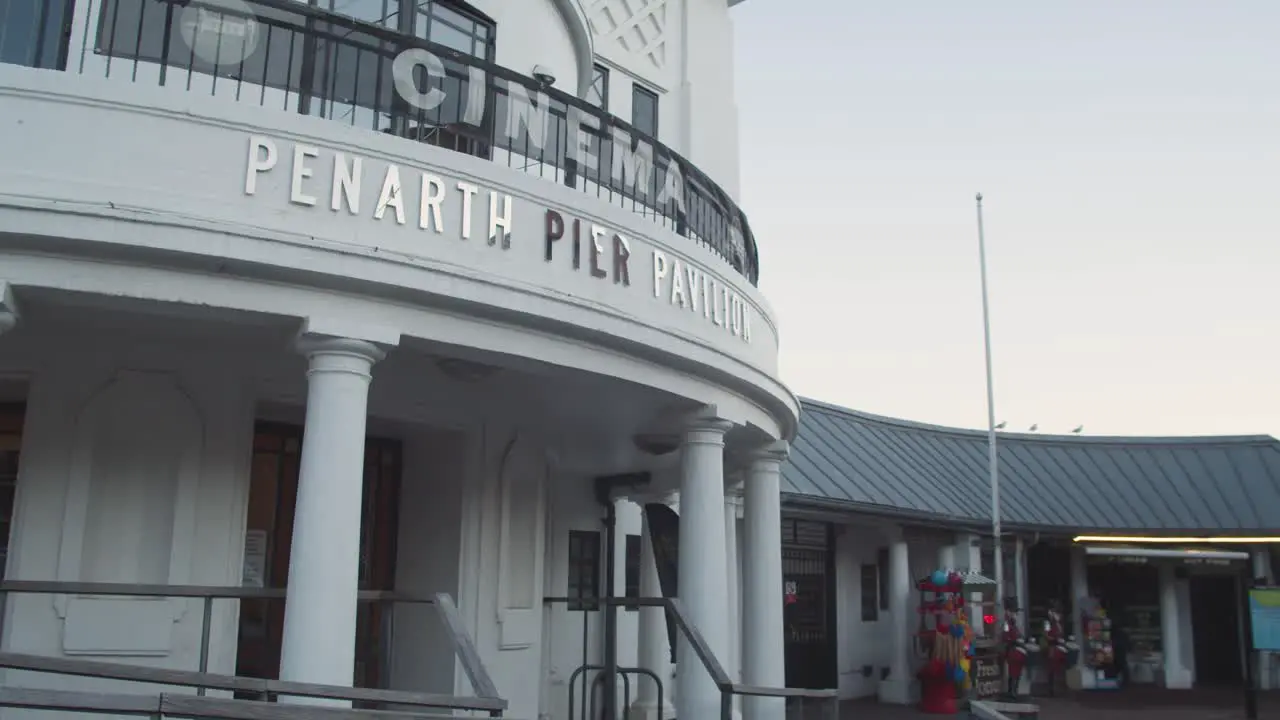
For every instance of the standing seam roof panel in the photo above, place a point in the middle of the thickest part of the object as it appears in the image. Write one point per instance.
(881, 467)
(1216, 483)
(847, 455)
(941, 490)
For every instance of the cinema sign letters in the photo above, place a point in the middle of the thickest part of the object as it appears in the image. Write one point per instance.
(432, 204)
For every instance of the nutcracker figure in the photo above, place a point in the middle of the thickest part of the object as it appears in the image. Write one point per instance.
(1055, 648)
(1015, 652)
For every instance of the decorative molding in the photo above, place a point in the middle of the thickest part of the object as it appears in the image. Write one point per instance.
(638, 27)
(575, 19)
(522, 479)
(143, 412)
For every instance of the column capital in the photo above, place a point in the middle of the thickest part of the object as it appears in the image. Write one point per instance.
(894, 533)
(705, 426)
(9, 315)
(706, 420)
(776, 451)
(312, 345)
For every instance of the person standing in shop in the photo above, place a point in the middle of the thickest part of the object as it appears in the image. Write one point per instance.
(1120, 653)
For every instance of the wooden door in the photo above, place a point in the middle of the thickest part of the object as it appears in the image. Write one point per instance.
(10, 444)
(809, 617)
(273, 497)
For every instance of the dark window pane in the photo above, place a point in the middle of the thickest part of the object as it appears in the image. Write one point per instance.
(10, 443)
(31, 32)
(882, 561)
(598, 95)
(644, 111)
(870, 593)
(633, 569)
(584, 567)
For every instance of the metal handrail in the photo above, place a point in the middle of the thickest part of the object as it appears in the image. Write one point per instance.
(346, 63)
(482, 684)
(706, 656)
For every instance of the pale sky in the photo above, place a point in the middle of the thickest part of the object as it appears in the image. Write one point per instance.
(1129, 155)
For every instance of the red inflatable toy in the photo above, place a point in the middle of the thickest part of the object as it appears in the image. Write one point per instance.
(938, 693)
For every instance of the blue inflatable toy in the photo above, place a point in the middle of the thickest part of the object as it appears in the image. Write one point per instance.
(939, 577)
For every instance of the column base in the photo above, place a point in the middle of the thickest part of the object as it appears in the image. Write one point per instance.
(1178, 679)
(649, 710)
(896, 692)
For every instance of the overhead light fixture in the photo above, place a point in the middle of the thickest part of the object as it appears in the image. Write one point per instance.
(1176, 540)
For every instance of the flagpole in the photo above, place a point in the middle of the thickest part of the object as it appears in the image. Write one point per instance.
(998, 550)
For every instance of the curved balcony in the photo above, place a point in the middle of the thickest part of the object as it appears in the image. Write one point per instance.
(299, 58)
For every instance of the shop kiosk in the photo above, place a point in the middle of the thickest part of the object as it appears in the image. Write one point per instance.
(948, 641)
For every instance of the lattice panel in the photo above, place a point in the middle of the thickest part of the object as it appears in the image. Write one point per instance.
(638, 26)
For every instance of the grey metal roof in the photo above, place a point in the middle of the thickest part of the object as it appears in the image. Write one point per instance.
(848, 459)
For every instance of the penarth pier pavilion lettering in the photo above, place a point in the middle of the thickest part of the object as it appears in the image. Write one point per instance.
(619, 252)
(686, 286)
(347, 178)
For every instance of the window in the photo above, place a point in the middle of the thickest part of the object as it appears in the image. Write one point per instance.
(584, 568)
(633, 569)
(446, 22)
(870, 593)
(10, 444)
(882, 561)
(35, 33)
(644, 110)
(598, 93)
(453, 26)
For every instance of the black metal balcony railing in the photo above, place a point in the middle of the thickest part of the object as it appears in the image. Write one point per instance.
(300, 58)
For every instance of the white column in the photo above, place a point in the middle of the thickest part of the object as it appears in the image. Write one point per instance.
(1020, 584)
(733, 662)
(1020, 593)
(702, 570)
(947, 557)
(763, 663)
(897, 688)
(1078, 675)
(969, 556)
(1262, 574)
(320, 610)
(653, 647)
(1175, 675)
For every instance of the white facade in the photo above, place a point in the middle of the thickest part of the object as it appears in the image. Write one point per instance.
(184, 263)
